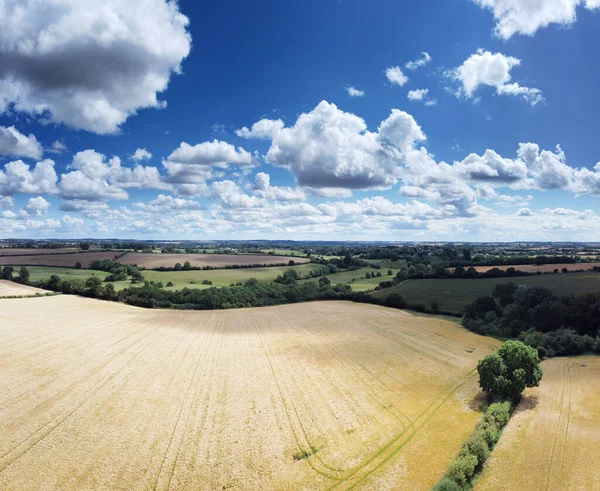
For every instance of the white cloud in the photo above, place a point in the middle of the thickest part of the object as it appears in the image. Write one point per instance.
(527, 16)
(230, 195)
(263, 129)
(193, 165)
(16, 144)
(37, 207)
(6, 202)
(420, 95)
(141, 154)
(524, 212)
(169, 204)
(89, 64)
(352, 92)
(57, 146)
(263, 189)
(510, 201)
(329, 148)
(396, 76)
(485, 68)
(17, 177)
(419, 62)
(98, 179)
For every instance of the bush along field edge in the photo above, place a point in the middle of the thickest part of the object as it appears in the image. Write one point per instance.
(503, 376)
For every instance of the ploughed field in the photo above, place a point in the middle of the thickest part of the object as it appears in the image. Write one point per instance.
(324, 395)
(551, 442)
(10, 251)
(157, 260)
(59, 259)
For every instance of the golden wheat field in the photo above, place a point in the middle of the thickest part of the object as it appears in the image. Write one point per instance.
(325, 395)
(10, 289)
(552, 440)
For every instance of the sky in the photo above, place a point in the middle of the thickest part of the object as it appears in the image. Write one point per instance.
(437, 120)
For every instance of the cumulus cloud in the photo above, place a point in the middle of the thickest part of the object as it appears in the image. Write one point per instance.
(263, 129)
(263, 189)
(486, 69)
(16, 144)
(328, 149)
(396, 76)
(89, 64)
(527, 16)
(95, 178)
(190, 166)
(141, 154)
(230, 195)
(18, 177)
(37, 207)
(352, 92)
(419, 62)
(169, 204)
(510, 201)
(524, 212)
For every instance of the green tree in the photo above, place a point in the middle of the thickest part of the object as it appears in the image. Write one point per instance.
(505, 374)
(93, 282)
(7, 273)
(187, 266)
(178, 267)
(324, 282)
(78, 265)
(24, 274)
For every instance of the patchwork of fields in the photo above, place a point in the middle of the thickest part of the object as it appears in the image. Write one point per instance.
(551, 442)
(327, 395)
(544, 268)
(65, 260)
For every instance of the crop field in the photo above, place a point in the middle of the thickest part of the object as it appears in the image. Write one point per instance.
(64, 260)
(454, 294)
(551, 442)
(6, 251)
(9, 289)
(221, 277)
(356, 278)
(326, 395)
(200, 260)
(544, 268)
(73, 275)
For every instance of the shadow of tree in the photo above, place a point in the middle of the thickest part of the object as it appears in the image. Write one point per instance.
(527, 403)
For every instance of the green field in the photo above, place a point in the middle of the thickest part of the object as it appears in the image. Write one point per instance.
(284, 252)
(180, 279)
(356, 279)
(39, 273)
(454, 294)
(221, 277)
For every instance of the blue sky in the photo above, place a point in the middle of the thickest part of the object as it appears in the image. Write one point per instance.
(351, 141)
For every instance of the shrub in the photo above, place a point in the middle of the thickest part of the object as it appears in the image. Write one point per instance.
(476, 445)
(396, 300)
(446, 484)
(462, 469)
(498, 414)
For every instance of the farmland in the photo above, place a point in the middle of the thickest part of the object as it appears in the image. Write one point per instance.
(552, 439)
(328, 395)
(454, 294)
(5, 251)
(10, 289)
(543, 268)
(64, 260)
(149, 260)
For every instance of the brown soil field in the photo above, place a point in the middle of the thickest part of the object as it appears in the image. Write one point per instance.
(551, 442)
(99, 395)
(5, 251)
(61, 260)
(9, 289)
(155, 260)
(545, 268)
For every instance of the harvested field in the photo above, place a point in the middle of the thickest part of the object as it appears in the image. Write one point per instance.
(64, 260)
(200, 260)
(551, 442)
(326, 395)
(5, 251)
(544, 268)
(11, 289)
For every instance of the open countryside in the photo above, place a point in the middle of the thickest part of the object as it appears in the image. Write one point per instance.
(354, 392)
